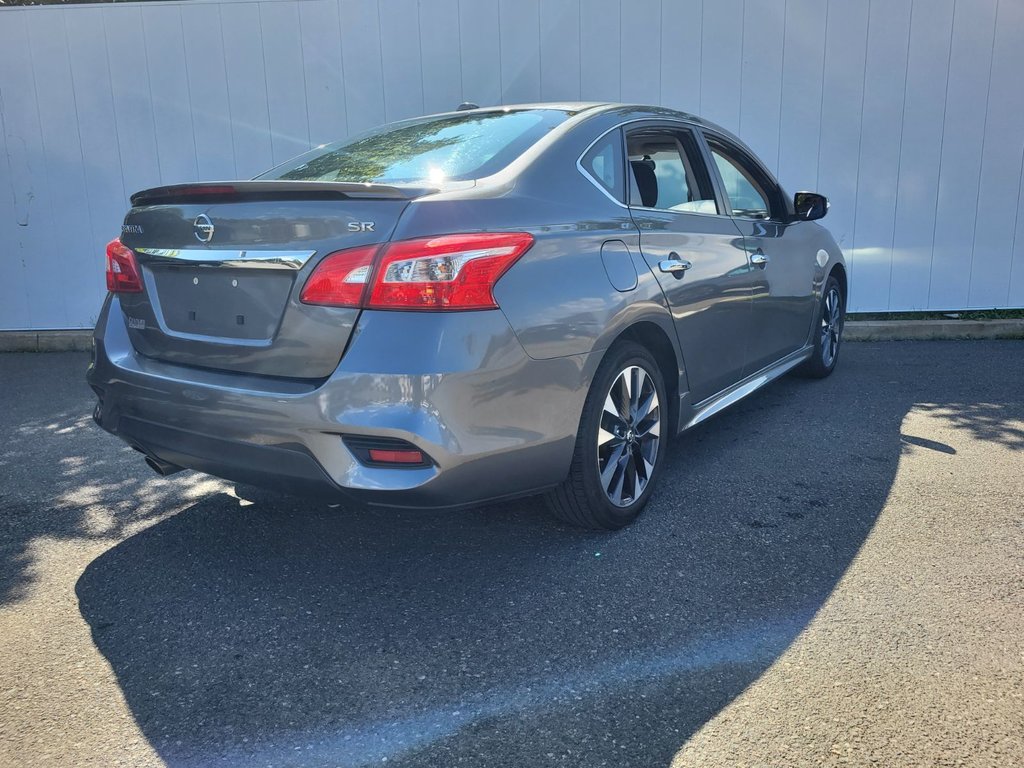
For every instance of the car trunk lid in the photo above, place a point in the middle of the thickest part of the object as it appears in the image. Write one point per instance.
(223, 264)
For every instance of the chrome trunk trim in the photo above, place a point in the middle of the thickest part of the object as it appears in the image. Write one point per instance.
(206, 257)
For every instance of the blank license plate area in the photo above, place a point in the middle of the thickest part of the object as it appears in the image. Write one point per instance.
(228, 303)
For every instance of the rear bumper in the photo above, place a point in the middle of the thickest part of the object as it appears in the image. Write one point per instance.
(458, 386)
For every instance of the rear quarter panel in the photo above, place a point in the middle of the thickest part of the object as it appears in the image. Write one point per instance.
(558, 297)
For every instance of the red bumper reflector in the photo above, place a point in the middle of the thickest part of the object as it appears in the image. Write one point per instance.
(396, 457)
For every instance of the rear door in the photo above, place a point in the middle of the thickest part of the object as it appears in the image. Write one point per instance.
(697, 255)
(782, 257)
(223, 267)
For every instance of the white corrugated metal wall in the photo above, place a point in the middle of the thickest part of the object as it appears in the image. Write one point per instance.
(908, 114)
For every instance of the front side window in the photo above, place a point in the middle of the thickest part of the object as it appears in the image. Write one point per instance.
(666, 172)
(746, 195)
(454, 147)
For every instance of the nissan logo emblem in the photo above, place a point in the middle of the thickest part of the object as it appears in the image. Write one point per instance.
(203, 228)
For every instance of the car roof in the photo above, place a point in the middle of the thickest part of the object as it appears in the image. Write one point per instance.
(594, 107)
(586, 109)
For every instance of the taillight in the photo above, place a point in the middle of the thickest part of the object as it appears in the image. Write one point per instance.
(122, 269)
(447, 272)
(341, 278)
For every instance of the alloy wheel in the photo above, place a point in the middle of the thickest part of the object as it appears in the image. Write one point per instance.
(628, 438)
(831, 320)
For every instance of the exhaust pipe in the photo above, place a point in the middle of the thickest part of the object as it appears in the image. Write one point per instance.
(162, 468)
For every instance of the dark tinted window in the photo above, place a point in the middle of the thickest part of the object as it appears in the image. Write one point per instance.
(435, 149)
(604, 163)
(666, 172)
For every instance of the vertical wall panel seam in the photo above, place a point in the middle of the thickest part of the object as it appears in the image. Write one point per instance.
(1016, 229)
(981, 156)
(78, 132)
(743, 33)
(860, 145)
(782, 84)
(621, 59)
(42, 144)
(380, 59)
(113, 106)
(821, 91)
(661, 34)
(501, 74)
(540, 55)
(14, 201)
(419, 47)
(899, 160)
(152, 112)
(1016, 220)
(188, 95)
(700, 59)
(302, 66)
(7, 154)
(266, 90)
(341, 60)
(821, 103)
(501, 57)
(419, 31)
(305, 84)
(579, 43)
(458, 29)
(462, 58)
(660, 51)
(942, 141)
(227, 89)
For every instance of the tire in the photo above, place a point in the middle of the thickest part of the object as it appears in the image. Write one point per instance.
(828, 332)
(622, 447)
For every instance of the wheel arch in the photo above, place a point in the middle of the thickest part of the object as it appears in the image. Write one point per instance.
(838, 271)
(654, 339)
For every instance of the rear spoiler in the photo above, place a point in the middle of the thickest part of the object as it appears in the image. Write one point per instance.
(246, 191)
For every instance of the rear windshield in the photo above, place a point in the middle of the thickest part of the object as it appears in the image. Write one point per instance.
(452, 147)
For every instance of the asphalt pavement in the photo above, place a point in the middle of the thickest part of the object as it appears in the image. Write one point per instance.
(831, 573)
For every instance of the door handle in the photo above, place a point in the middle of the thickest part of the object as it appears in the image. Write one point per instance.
(674, 265)
(759, 259)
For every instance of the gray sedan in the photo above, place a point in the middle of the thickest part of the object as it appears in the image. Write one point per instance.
(465, 307)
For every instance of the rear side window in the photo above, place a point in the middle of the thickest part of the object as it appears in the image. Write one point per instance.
(666, 172)
(455, 147)
(603, 163)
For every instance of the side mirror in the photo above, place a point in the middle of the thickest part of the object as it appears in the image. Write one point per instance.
(810, 205)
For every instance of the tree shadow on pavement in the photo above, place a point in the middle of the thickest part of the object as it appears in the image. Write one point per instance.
(61, 477)
(275, 631)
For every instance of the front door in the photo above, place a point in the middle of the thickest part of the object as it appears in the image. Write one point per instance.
(781, 252)
(696, 254)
